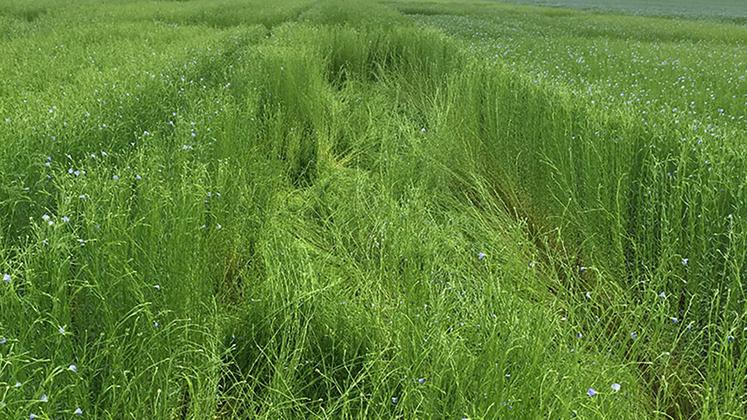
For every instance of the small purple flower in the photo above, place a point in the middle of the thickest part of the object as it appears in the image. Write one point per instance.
(156, 324)
(582, 269)
(685, 261)
(157, 287)
(662, 295)
(481, 256)
(17, 385)
(730, 339)
(73, 368)
(3, 341)
(78, 411)
(115, 177)
(138, 178)
(634, 335)
(591, 392)
(44, 398)
(61, 330)
(65, 219)
(421, 381)
(616, 387)
(395, 400)
(33, 416)
(579, 335)
(675, 320)
(7, 278)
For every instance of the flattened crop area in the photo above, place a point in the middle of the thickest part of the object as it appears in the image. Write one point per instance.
(401, 209)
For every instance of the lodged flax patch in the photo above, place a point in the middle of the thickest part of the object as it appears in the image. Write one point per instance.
(400, 209)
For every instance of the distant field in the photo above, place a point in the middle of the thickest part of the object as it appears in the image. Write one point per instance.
(728, 9)
(352, 209)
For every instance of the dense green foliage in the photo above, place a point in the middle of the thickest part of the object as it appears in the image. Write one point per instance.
(336, 209)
